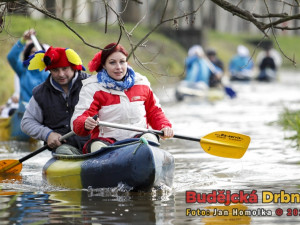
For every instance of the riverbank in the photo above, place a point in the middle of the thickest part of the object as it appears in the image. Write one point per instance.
(161, 58)
(270, 165)
(290, 120)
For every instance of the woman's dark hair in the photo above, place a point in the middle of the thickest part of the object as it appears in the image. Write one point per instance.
(108, 50)
(28, 49)
(96, 64)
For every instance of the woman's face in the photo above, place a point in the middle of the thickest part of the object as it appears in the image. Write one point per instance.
(116, 65)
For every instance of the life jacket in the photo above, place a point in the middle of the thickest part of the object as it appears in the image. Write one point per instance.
(57, 110)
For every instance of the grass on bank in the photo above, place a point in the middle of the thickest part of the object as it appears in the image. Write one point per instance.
(290, 120)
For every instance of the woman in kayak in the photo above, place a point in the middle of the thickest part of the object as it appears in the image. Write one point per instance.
(116, 94)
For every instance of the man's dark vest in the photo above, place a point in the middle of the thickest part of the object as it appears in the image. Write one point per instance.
(57, 111)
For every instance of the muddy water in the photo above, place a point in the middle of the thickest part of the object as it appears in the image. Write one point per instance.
(270, 166)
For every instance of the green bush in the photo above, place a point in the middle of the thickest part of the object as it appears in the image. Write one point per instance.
(290, 120)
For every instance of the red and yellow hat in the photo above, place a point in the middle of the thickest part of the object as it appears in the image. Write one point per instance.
(54, 58)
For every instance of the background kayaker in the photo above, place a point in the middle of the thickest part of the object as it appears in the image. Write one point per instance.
(12, 104)
(216, 74)
(47, 116)
(241, 65)
(116, 94)
(197, 70)
(268, 62)
(27, 79)
(10, 107)
(267, 68)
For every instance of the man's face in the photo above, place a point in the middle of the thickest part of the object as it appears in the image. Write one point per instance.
(62, 75)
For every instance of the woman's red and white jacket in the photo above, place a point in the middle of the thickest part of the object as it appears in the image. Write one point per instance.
(136, 106)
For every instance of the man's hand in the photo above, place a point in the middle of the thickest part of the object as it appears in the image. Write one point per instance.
(53, 140)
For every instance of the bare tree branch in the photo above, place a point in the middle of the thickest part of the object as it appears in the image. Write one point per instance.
(270, 15)
(264, 22)
(47, 13)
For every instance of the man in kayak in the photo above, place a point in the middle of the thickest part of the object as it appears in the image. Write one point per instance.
(47, 116)
(217, 73)
(116, 94)
(268, 61)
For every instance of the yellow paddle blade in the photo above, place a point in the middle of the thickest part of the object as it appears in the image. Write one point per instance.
(10, 166)
(225, 144)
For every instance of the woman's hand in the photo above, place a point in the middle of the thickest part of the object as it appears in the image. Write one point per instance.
(168, 132)
(90, 123)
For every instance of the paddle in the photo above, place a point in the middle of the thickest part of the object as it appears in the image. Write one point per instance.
(15, 166)
(36, 42)
(228, 90)
(220, 143)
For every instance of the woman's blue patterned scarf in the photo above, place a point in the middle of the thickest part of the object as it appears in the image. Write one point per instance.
(110, 83)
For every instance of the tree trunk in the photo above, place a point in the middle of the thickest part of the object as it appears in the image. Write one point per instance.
(132, 13)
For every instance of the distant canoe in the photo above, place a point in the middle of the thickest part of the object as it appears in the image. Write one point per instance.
(134, 163)
(10, 129)
(210, 94)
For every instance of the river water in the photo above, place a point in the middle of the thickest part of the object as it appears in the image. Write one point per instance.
(269, 167)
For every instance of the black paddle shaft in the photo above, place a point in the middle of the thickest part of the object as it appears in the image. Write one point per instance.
(144, 130)
(71, 133)
(106, 124)
(64, 137)
(187, 138)
(109, 125)
(33, 153)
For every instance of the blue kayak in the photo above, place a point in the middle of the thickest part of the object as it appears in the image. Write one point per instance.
(135, 163)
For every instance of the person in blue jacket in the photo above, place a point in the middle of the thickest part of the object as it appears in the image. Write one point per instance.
(197, 70)
(28, 79)
(241, 65)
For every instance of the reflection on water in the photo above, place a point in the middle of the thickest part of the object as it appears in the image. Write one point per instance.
(270, 164)
(86, 207)
(18, 146)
